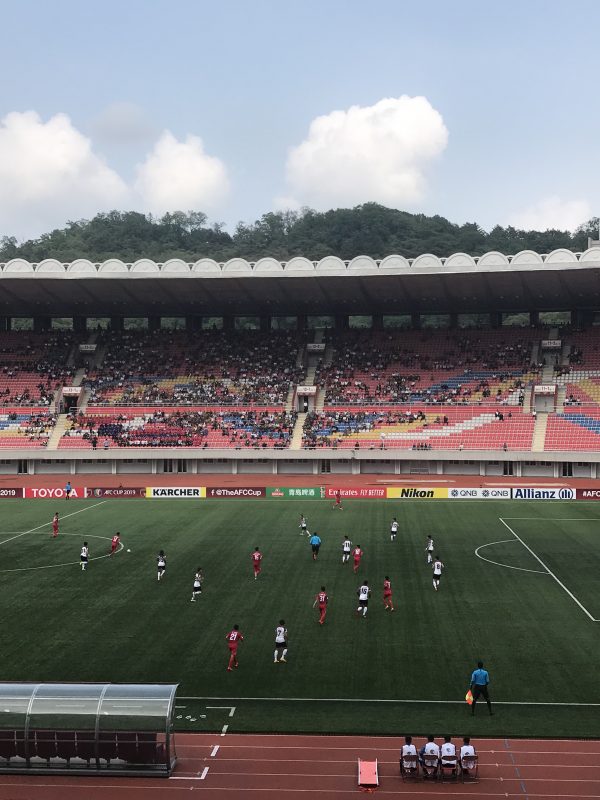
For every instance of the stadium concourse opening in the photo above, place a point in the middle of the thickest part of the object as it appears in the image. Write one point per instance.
(86, 728)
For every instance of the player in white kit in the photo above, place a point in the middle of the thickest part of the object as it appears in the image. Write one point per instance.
(84, 557)
(346, 548)
(429, 549)
(161, 564)
(363, 598)
(437, 572)
(393, 529)
(281, 647)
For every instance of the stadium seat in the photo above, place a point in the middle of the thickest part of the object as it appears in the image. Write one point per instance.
(409, 767)
(21, 749)
(8, 745)
(86, 745)
(430, 768)
(45, 745)
(449, 768)
(107, 746)
(147, 749)
(126, 743)
(469, 769)
(66, 745)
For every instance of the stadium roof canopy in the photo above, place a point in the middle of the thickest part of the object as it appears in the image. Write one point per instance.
(527, 281)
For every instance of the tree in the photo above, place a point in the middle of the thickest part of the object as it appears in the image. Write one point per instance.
(368, 229)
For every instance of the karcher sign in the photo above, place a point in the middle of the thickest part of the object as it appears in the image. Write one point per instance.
(175, 492)
(415, 493)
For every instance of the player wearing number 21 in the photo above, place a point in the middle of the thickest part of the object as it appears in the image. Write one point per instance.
(322, 599)
(234, 637)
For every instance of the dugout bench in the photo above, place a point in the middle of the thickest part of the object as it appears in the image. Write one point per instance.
(87, 728)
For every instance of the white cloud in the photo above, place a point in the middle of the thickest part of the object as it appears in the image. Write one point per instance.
(180, 175)
(552, 212)
(49, 174)
(375, 153)
(122, 123)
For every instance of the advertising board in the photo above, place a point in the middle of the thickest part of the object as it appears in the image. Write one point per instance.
(175, 492)
(235, 492)
(294, 492)
(416, 493)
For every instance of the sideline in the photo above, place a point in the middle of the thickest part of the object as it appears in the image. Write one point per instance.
(377, 700)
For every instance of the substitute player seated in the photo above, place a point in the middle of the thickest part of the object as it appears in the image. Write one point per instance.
(409, 760)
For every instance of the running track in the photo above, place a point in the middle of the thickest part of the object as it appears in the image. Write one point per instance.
(258, 767)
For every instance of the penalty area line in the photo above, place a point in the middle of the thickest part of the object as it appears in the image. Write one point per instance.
(378, 700)
(549, 571)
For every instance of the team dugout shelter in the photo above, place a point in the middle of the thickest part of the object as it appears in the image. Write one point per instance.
(86, 728)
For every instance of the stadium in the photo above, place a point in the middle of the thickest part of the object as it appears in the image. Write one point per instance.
(202, 410)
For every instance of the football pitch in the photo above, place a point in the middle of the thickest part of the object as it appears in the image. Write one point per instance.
(520, 590)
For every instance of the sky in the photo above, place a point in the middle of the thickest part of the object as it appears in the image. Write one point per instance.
(478, 111)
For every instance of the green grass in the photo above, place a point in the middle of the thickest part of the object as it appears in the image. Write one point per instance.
(117, 623)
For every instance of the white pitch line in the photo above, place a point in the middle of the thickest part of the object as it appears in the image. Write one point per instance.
(549, 571)
(215, 750)
(378, 700)
(204, 773)
(498, 563)
(224, 731)
(81, 510)
(554, 519)
(68, 563)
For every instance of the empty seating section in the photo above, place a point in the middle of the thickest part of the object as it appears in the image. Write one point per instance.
(33, 366)
(451, 428)
(237, 428)
(471, 366)
(203, 368)
(21, 427)
(574, 429)
(70, 746)
(581, 376)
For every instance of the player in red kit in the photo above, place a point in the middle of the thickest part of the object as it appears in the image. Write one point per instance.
(55, 525)
(115, 542)
(338, 500)
(322, 600)
(387, 594)
(234, 637)
(256, 559)
(357, 554)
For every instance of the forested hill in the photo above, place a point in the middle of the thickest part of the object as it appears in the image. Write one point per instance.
(369, 229)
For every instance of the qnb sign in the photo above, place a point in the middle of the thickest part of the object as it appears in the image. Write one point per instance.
(543, 493)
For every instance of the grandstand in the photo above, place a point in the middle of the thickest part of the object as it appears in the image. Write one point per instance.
(346, 367)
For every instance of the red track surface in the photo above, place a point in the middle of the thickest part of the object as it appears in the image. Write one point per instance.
(249, 767)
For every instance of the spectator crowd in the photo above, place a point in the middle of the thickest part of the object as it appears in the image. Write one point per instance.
(248, 428)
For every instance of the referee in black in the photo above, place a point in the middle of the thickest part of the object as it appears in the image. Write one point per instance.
(479, 687)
